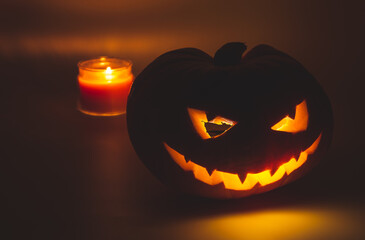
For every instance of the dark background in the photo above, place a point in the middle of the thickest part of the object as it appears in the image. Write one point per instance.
(65, 175)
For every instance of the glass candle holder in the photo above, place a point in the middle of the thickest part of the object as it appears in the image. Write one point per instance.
(104, 86)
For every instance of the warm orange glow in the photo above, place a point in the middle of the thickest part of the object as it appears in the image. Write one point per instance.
(232, 181)
(104, 86)
(199, 118)
(309, 220)
(298, 124)
(220, 120)
(102, 70)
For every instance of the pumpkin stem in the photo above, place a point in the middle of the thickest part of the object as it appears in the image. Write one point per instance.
(229, 54)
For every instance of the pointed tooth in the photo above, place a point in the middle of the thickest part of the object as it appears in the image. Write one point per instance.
(291, 113)
(242, 176)
(296, 156)
(210, 170)
(274, 169)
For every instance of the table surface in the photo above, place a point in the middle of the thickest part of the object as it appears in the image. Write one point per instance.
(66, 175)
(70, 175)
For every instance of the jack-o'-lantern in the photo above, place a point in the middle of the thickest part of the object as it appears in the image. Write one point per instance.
(228, 126)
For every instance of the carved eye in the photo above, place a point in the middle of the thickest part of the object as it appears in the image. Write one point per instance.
(213, 128)
(298, 124)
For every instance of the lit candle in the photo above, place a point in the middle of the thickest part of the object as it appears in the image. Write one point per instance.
(104, 86)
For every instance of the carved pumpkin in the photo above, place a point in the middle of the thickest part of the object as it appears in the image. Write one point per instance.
(228, 126)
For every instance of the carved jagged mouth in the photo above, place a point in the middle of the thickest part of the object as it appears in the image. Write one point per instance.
(232, 181)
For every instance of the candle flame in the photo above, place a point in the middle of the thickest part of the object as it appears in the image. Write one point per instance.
(108, 74)
(108, 70)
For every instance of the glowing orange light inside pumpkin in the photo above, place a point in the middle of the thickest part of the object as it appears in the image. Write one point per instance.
(199, 118)
(232, 181)
(298, 124)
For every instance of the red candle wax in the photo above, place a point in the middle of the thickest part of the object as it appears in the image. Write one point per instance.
(104, 86)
